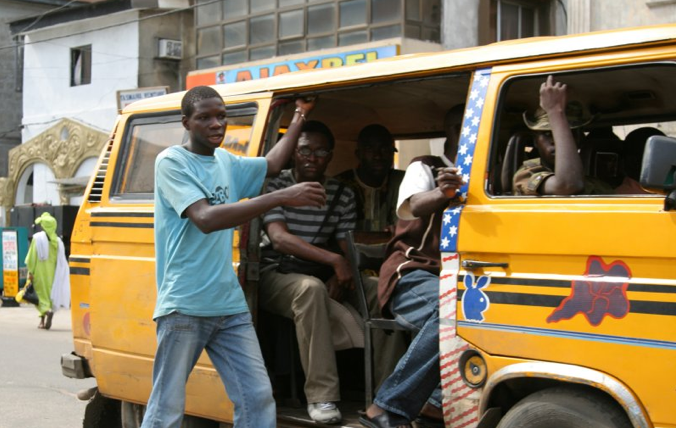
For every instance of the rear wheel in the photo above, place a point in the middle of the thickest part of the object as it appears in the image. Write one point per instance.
(566, 407)
(132, 417)
(102, 412)
(132, 414)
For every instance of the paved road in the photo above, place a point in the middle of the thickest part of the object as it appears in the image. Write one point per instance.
(33, 392)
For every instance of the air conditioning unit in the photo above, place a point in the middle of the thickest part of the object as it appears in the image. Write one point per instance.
(170, 49)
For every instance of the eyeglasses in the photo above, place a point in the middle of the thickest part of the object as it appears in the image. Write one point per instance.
(307, 152)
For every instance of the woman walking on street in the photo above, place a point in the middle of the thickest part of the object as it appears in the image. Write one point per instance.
(48, 270)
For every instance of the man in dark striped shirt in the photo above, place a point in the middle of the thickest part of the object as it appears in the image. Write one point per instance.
(304, 233)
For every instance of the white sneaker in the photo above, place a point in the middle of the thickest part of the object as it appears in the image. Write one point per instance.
(325, 413)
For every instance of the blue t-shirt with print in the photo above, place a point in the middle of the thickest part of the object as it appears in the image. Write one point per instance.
(194, 270)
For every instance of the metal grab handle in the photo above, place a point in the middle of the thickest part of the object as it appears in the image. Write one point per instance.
(477, 264)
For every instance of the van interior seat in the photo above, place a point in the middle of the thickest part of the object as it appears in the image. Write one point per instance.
(519, 148)
(601, 154)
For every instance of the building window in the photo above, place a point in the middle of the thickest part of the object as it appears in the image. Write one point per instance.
(352, 13)
(81, 65)
(513, 19)
(18, 64)
(259, 29)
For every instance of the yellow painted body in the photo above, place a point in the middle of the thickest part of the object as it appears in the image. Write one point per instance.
(112, 256)
(547, 244)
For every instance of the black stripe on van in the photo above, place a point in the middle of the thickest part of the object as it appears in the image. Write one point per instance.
(116, 224)
(79, 259)
(79, 271)
(127, 214)
(524, 281)
(526, 299)
(647, 288)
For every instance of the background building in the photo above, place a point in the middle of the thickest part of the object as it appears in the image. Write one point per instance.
(78, 66)
(11, 75)
(69, 67)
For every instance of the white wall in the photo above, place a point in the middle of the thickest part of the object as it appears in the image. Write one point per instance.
(459, 24)
(84, 170)
(24, 191)
(44, 189)
(611, 14)
(48, 96)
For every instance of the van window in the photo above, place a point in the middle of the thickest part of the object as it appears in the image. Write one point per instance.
(413, 110)
(615, 101)
(144, 139)
(240, 124)
(146, 136)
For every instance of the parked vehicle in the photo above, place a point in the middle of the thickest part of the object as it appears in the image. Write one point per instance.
(564, 300)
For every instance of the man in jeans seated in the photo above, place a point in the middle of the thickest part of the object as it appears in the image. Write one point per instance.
(304, 234)
(408, 288)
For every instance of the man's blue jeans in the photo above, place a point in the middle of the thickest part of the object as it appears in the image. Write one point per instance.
(232, 346)
(415, 380)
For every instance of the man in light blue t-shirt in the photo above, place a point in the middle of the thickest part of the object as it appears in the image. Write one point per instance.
(200, 305)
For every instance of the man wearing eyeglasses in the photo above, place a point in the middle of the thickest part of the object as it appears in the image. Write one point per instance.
(307, 299)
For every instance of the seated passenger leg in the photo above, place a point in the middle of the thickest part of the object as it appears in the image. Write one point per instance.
(304, 299)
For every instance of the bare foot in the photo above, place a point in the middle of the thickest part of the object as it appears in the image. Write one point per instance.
(42, 322)
(373, 411)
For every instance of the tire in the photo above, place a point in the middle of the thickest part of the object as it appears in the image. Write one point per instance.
(132, 417)
(102, 412)
(132, 414)
(566, 407)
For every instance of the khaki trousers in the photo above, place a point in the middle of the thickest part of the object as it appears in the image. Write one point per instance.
(305, 300)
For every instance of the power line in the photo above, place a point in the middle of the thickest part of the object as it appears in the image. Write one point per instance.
(47, 13)
(105, 27)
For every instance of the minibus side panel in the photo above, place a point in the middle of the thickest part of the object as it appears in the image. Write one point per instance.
(589, 281)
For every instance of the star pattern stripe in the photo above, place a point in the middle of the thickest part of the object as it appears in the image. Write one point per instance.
(468, 139)
(460, 402)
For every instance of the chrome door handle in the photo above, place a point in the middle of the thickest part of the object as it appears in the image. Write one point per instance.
(477, 264)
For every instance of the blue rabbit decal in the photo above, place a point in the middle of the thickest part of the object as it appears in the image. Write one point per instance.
(474, 301)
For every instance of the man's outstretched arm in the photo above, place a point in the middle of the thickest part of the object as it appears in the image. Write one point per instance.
(210, 218)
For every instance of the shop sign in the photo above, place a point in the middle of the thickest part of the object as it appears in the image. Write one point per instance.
(128, 96)
(276, 68)
(10, 263)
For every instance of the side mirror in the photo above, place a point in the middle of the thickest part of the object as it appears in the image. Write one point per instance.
(658, 169)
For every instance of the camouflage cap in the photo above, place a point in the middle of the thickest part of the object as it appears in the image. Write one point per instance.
(574, 113)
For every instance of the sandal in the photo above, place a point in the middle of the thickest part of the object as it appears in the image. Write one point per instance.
(427, 422)
(48, 322)
(42, 322)
(384, 420)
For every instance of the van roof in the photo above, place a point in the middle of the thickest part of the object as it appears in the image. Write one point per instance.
(467, 58)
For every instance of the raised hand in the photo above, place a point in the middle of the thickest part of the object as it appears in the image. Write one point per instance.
(553, 96)
(305, 105)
